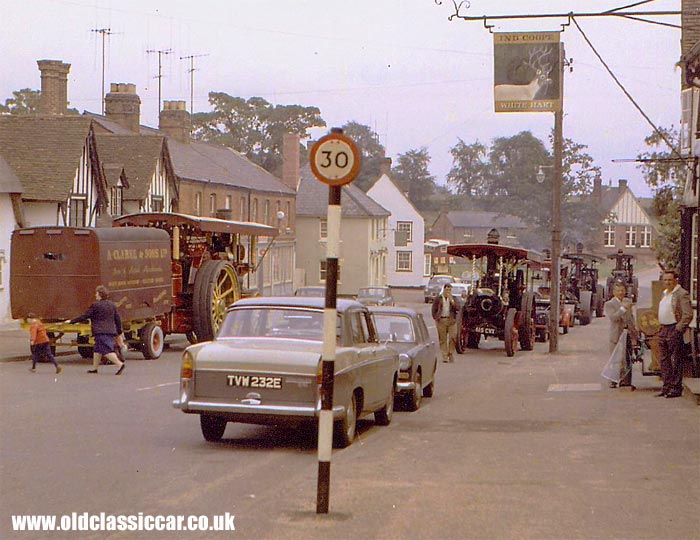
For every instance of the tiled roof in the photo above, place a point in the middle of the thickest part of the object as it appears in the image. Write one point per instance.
(312, 199)
(137, 154)
(478, 219)
(9, 183)
(206, 162)
(609, 197)
(44, 152)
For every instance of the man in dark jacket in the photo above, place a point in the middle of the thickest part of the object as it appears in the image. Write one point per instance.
(105, 325)
(445, 315)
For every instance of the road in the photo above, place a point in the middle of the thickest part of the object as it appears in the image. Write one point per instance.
(529, 447)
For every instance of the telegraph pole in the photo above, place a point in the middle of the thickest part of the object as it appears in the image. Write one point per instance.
(160, 53)
(191, 58)
(104, 32)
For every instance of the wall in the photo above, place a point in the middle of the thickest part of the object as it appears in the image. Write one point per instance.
(7, 225)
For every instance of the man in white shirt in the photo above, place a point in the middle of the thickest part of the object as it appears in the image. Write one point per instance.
(675, 315)
(444, 311)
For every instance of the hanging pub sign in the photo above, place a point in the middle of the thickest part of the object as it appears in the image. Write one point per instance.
(527, 71)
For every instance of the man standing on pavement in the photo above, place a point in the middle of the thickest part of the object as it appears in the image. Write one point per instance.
(445, 315)
(675, 315)
(618, 310)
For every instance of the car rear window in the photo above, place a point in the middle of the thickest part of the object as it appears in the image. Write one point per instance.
(273, 322)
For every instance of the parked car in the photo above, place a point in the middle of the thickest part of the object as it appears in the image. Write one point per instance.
(264, 367)
(375, 296)
(460, 292)
(434, 286)
(405, 331)
(318, 292)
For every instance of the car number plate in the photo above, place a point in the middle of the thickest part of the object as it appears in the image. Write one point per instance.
(254, 381)
(488, 330)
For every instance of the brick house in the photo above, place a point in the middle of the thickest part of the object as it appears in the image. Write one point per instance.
(467, 226)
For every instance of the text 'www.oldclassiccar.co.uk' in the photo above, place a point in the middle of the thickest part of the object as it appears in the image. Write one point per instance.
(122, 522)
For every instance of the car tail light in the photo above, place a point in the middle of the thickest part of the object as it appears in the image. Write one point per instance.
(187, 366)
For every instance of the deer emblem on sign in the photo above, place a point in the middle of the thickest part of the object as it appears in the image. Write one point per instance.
(538, 65)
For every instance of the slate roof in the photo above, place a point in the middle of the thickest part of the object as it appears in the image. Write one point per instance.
(206, 162)
(137, 154)
(9, 183)
(609, 197)
(44, 152)
(312, 199)
(478, 219)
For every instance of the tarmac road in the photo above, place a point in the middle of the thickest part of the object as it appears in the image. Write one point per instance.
(529, 447)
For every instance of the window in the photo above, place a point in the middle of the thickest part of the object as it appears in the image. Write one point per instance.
(288, 213)
(78, 206)
(266, 212)
(358, 326)
(227, 202)
(609, 236)
(198, 204)
(254, 211)
(212, 204)
(631, 236)
(404, 261)
(243, 207)
(323, 229)
(407, 227)
(645, 236)
(157, 203)
(322, 271)
(427, 264)
(443, 249)
(115, 201)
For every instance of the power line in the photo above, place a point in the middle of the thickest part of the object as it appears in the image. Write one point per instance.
(191, 58)
(104, 32)
(160, 53)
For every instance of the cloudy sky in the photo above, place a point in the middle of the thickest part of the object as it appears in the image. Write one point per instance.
(398, 66)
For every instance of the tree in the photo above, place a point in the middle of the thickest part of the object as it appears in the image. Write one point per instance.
(24, 101)
(372, 151)
(254, 127)
(469, 168)
(665, 173)
(411, 173)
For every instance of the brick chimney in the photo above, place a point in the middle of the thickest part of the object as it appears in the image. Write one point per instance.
(54, 86)
(123, 105)
(385, 166)
(174, 120)
(622, 182)
(290, 160)
(597, 190)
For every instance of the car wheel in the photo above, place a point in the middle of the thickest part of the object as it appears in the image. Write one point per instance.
(460, 341)
(586, 307)
(345, 428)
(84, 350)
(527, 322)
(417, 395)
(152, 341)
(383, 416)
(511, 332)
(213, 427)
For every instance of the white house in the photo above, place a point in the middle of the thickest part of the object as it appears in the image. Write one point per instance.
(10, 191)
(406, 229)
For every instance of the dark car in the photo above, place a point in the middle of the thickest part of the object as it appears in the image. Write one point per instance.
(405, 331)
(375, 296)
(434, 286)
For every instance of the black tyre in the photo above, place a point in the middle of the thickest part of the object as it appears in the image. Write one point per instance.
(152, 341)
(585, 308)
(216, 287)
(191, 337)
(461, 340)
(473, 339)
(84, 350)
(416, 396)
(526, 332)
(600, 301)
(511, 332)
(213, 427)
(345, 429)
(383, 416)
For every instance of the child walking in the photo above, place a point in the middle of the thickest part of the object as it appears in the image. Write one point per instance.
(40, 343)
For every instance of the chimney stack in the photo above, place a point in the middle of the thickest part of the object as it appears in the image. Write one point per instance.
(385, 166)
(54, 87)
(597, 190)
(290, 160)
(123, 105)
(174, 120)
(622, 182)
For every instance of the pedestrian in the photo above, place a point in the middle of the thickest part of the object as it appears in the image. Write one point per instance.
(445, 315)
(675, 315)
(39, 343)
(618, 310)
(106, 326)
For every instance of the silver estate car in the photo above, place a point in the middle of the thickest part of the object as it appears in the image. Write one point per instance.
(264, 367)
(405, 331)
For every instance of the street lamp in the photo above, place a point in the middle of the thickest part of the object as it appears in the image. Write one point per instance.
(540, 175)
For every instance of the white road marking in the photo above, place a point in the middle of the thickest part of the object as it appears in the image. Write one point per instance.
(157, 386)
(575, 387)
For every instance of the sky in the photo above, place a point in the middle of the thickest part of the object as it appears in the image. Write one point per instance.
(398, 66)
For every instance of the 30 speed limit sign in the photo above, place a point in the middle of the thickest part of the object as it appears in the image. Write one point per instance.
(335, 159)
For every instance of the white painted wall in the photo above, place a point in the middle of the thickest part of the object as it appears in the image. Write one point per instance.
(7, 225)
(386, 193)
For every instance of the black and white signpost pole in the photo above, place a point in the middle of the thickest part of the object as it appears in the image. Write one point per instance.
(335, 161)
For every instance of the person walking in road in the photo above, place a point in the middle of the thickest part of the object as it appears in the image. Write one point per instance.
(618, 310)
(675, 315)
(39, 343)
(445, 315)
(105, 325)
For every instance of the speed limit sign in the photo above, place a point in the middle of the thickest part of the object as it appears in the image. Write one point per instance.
(335, 159)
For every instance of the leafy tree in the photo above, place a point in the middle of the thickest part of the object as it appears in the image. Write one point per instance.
(254, 127)
(372, 151)
(24, 101)
(665, 173)
(411, 173)
(469, 168)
